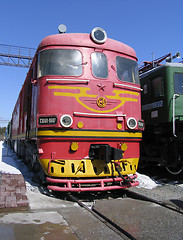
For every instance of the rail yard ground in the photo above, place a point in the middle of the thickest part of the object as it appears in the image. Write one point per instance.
(29, 211)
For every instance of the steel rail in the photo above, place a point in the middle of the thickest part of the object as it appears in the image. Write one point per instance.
(139, 196)
(110, 224)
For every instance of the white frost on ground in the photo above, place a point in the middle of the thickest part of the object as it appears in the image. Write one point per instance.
(145, 182)
(9, 163)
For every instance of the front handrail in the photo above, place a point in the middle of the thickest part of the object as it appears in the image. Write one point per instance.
(174, 97)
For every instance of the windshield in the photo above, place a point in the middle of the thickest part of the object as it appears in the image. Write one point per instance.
(99, 65)
(127, 70)
(64, 62)
(178, 83)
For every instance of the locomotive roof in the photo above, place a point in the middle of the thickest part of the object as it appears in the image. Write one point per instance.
(145, 74)
(84, 40)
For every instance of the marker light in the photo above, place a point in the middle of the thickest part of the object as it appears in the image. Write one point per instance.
(98, 35)
(74, 146)
(124, 147)
(66, 120)
(131, 123)
(141, 124)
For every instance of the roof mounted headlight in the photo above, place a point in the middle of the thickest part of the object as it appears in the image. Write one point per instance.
(66, 121)
(131, 123)
(98, 35)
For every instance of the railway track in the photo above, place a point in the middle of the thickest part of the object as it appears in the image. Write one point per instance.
(111, 222)
(139, 196)
(112, 225)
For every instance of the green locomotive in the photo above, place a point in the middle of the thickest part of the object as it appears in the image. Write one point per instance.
(162, 111)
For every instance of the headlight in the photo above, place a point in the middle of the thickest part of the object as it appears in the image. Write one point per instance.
(98, 35)
(66, 121)
(131, 123)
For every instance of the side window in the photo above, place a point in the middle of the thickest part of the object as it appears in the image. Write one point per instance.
(99, 65)
(178, 83)
(157, 87)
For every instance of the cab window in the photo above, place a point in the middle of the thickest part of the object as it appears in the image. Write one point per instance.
(66, 62)
(127, 70)
(99, 65)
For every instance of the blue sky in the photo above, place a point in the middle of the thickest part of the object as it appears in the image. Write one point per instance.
(147, 26)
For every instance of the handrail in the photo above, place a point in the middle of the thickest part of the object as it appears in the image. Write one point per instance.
(174, 97)
(69, 80)
(99, 114)
(128, 86)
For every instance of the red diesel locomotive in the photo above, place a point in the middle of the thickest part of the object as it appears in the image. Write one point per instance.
(77, 121)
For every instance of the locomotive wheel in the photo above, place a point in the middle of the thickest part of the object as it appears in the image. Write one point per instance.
(175, 170)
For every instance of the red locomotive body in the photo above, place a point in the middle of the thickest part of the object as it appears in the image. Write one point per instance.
(78, 116)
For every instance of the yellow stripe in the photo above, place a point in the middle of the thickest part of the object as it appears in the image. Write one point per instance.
(119, 95)
(70, 133)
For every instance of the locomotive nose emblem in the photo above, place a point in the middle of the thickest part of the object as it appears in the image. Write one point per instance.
(101, 102)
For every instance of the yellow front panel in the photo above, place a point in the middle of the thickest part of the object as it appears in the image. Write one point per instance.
(87, 168)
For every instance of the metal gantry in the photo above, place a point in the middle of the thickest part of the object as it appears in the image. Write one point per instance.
(16, 56)
(3, 120)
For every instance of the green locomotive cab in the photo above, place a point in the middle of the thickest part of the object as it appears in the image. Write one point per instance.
(162, 111)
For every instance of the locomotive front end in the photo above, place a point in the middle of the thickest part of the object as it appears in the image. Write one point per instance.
(88, 112)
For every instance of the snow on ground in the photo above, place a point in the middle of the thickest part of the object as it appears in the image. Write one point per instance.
(9, 163)
(145, 182)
